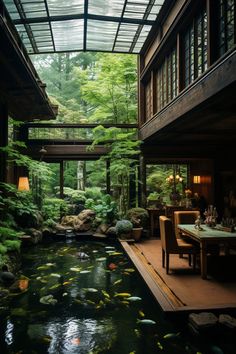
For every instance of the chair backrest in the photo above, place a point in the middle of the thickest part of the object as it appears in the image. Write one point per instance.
(168, 239)
(184, 217)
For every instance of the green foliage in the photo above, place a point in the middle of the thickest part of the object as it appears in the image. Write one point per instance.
(90, 87)
(8, 233)
(3, 249)
(38, 169)
(9, 240)
(157, 184)
(96, 173)
(153, 196)
(52, 210)
(105, 208)
(18, 204)
(93, 192)
(74, 195)
(113, 92)
(123, 227)
(12, 245)
(122, 152)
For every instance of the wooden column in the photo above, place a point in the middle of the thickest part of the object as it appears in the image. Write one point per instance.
(108, 176)
(141, 94)
(142, 171)
(18, 135)
(132, 186)
(61, 179)
(3, 141)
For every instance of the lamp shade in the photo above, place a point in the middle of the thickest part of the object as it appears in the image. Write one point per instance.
(196, 179)
(23, 184)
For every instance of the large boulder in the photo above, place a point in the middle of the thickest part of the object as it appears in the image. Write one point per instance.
(68, 221)
(87, 214)
(79, 223)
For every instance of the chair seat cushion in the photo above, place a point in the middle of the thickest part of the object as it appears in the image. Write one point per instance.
(186, 246)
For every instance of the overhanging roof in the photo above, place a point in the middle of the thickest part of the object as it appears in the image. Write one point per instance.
(48, 26)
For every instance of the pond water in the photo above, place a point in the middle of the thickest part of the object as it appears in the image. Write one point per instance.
(87, 298)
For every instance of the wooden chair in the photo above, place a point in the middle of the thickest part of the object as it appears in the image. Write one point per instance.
(172, 245)
(184, 217)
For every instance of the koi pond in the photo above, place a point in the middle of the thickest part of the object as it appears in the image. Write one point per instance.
(87, 297)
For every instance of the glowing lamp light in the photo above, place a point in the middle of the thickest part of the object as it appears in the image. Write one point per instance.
(23, 184)
(196, 179)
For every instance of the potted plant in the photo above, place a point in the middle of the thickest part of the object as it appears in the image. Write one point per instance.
(123, 229)
(137, 229)
(152, 199)
(139, 219)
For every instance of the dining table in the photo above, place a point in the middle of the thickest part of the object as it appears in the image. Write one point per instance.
(205, 236)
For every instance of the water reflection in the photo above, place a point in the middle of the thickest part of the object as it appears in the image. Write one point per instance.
(97, 305)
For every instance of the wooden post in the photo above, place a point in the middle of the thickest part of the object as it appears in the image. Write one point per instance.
(3, 141)
(61, 179)
(142, 192)
(132, 185)
(108, 176)
(141, 94)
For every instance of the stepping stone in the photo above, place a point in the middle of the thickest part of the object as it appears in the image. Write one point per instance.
(98, 235)
(202, 320)
(227, 321)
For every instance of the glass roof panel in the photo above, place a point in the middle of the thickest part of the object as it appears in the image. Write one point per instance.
(65, 7)
(68, 35)
(106, 7)
(64, 25)
(101, 35)
(12, 9)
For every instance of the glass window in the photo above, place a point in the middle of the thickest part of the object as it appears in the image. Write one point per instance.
(226, 28)
(167, 85)
(195, 48)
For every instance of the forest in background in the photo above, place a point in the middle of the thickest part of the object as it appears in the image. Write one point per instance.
(88, 88)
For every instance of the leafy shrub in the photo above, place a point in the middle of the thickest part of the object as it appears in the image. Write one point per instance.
(12, 245)
(123, 227)
(138, 217)
(74, 195)
(3, 249)
(105, 208)
(9, 240)
(20, 205)
(53, 208)
(93, 193)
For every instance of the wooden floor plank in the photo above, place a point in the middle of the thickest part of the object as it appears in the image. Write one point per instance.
(182, 289)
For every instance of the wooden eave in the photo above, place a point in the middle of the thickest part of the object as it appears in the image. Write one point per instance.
(66, 152)
(20, 86)
(200, 117)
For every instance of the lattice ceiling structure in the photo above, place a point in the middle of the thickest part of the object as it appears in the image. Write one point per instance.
(48, 26)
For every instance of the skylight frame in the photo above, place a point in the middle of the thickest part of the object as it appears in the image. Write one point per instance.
(29, 15)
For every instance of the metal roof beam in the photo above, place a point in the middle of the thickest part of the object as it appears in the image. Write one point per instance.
(85, 24)
(136, 21)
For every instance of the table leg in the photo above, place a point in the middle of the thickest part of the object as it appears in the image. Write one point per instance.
(203, 259)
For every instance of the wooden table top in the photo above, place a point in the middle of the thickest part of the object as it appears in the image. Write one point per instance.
(207, 232)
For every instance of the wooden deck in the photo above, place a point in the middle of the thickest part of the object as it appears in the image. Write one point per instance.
(183, 289)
